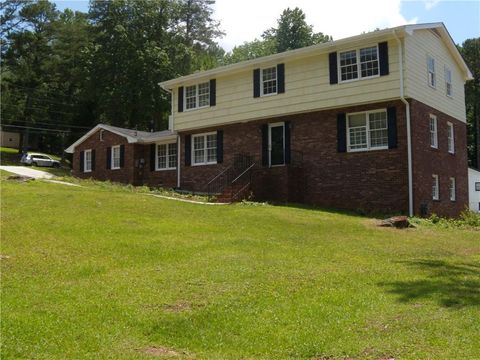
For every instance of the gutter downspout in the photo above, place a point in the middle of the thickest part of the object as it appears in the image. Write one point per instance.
(171, 128)
(409, 134)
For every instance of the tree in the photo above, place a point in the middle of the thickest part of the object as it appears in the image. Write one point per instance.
(470, 50)
(292, 32)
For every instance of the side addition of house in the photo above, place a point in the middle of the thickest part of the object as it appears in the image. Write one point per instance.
(373, 122)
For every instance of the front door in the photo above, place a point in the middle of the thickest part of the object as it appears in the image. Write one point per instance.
(277, 144)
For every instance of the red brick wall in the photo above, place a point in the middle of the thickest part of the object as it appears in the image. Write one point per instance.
(375, 180)
(428, 161)
(135, 171)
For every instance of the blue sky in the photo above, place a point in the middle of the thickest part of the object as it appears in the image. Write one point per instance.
(462, 18)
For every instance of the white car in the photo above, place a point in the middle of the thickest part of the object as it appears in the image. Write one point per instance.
(39, 160)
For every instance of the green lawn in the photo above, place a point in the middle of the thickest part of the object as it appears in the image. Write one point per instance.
(94, 272)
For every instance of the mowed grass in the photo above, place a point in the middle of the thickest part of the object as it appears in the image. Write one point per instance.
(93, 273)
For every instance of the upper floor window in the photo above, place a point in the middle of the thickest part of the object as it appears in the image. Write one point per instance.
(433, 132)
(87, 162)
(115, 157)
(448, 81)
(269, 81)
(197, 96)
(101, 134)
(367, 130)
(435, 188)
(431, 71)
(166, 156)
(451, 138)
(204, 149)
(350, 60)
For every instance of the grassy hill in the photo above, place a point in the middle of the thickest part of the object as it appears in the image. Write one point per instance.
(98, 272)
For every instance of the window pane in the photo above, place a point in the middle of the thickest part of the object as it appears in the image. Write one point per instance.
(277, 145)
(357, 120)
(212, 148)
(191, 97)
(172, 155)
(348, 65)
(358, 138)
(204, 94)
(378, 129)
(269, 80)
(116, 157)
(162, 156)
(369, 61)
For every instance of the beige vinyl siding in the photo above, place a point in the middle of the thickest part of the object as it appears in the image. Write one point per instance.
(418, 46)
(307, 88)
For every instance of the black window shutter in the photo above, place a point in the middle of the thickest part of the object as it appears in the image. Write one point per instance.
(280, 78)
(188, 150)
(93, 160)
(265, 144)
(213, 92)
(332, 63)
(109, 157)
(383, 57)
(256, 83)
(122, 156)
(287, 142)
(341, 132)
(82, 156)
(180, 99)
(392, 127)
(152, 157)
(220, 146)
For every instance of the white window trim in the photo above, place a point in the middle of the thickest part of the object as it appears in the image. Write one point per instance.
(434, 86)
(359, 71)
(167, 157)
(261, 81)
(111, 157)
(89, 151)
(437, 185)
(452, 139)
(205, 162)
(369, 148)
(101, 134)
(433, 117)
(197, 96)
(447, 69)
(453, 189)
(270, 126)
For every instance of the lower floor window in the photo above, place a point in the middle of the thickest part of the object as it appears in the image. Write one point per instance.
(367, 130)
(116, 157)
(166, 156)
(435, 188)
(276, 143)
(452, 189)
(87, 161)
(204, 149)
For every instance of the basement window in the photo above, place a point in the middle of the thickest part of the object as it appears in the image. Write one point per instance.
(452, 189)
(435, 188)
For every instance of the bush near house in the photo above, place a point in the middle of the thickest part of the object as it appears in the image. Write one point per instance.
(88, 272)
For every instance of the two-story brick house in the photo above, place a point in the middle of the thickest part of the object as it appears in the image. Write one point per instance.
(373, 122)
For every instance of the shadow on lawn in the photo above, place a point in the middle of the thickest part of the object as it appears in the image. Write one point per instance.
(450, 285)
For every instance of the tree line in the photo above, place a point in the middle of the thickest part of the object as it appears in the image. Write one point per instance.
(65, 71)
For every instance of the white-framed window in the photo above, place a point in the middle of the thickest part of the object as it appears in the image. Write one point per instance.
(433, 132)
(448, 82)
(276, 144)
(435, 188)
(269, 81)
(367, 130)
(452, 189)
(87, 160)
(451, 138)
(166, 156)
(431, 71)
(101, 135)
(365, 58)
(115, 157)
(204, 149)
(197, 96)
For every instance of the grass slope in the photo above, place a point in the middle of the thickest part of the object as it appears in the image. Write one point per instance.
(93, 273)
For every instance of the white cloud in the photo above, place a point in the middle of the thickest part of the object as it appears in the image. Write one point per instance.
(430, 4)
(245, 20)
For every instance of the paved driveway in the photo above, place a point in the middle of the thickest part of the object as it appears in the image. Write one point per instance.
(26, 171)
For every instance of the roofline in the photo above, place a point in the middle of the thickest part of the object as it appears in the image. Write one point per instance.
(130, 139)
(318, 48)
(297, 53)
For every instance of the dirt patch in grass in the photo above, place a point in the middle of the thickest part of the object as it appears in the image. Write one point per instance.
(166, 353)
